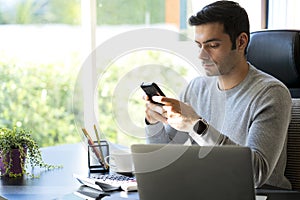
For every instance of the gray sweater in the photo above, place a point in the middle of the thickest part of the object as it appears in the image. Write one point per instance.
(255, 113)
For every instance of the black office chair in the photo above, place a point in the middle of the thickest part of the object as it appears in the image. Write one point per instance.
(276, 52)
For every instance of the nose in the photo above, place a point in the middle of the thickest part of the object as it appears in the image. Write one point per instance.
(203, 55)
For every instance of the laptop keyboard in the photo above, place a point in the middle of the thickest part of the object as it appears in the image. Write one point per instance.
(109, 182)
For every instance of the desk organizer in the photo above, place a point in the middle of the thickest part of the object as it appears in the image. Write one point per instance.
(93, 162)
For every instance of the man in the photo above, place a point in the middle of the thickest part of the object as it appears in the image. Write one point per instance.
(236, 104)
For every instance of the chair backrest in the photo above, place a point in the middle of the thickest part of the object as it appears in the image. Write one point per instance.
(277, 52)
(292, 170)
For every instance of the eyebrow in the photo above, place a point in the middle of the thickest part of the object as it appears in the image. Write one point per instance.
(210, 40)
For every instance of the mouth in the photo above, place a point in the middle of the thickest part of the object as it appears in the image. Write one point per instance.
(208, 65)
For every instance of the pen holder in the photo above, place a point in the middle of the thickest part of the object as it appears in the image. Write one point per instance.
(94, 163)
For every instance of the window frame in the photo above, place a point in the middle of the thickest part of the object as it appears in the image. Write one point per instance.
(89, 24)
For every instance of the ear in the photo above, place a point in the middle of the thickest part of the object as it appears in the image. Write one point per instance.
(242, 41)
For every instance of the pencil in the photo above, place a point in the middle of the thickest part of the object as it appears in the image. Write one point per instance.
(100, 149)
(90, 141)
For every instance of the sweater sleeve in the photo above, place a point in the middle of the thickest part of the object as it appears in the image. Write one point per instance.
(156, 134)
(163, 133)
(268, 132)
(211, 137)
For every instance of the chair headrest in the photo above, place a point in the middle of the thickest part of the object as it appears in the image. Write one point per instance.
(276, 52)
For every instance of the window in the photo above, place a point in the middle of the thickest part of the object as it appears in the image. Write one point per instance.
(284, 14)
(40, 57)
(62, 69)
(113, 91)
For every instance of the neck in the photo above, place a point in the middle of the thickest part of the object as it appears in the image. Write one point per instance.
(234, 77)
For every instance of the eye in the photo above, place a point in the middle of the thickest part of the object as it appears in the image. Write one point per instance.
(213, 45)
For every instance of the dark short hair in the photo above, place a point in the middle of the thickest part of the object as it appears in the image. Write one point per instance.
(229, 13)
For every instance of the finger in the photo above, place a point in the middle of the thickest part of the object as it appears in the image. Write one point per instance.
(157, 116)
(165, 100)
(150, 118)
(145, 97)
(168, 109)
(157, 108)
(174, 108)
(157, 99)
(165, 114)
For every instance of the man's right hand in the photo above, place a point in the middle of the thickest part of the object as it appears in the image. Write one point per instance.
(154, 112)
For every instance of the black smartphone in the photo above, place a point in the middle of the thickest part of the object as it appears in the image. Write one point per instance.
(152, 89)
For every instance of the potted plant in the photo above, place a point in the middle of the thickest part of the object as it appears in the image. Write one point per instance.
(18, 149)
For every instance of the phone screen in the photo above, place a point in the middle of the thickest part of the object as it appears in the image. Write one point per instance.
(152, 89)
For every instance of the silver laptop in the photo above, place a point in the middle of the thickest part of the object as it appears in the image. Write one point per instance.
(177, 172)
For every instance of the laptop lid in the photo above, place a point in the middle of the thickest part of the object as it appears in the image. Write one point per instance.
(171, 171)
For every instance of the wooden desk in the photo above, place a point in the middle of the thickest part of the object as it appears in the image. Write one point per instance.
(60, 184)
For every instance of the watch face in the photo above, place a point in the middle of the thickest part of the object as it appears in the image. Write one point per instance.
(200, 127)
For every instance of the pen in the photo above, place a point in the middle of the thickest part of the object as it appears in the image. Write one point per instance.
(99, 143)
(90, 141)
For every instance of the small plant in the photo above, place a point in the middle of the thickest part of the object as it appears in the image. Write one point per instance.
(28, 151)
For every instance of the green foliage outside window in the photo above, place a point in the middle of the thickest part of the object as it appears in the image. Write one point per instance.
(109, 12)
(40, 11)
(130, 11)
(38, 98)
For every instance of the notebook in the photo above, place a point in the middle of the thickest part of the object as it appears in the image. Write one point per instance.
(165, 171)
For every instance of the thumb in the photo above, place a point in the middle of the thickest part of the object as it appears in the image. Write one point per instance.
(157, 99)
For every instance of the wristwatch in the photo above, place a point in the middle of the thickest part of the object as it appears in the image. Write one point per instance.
(201, 127)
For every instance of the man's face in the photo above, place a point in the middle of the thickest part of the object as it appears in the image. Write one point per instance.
(215, 49)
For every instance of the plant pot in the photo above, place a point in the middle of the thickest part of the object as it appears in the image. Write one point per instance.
(15, 159)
